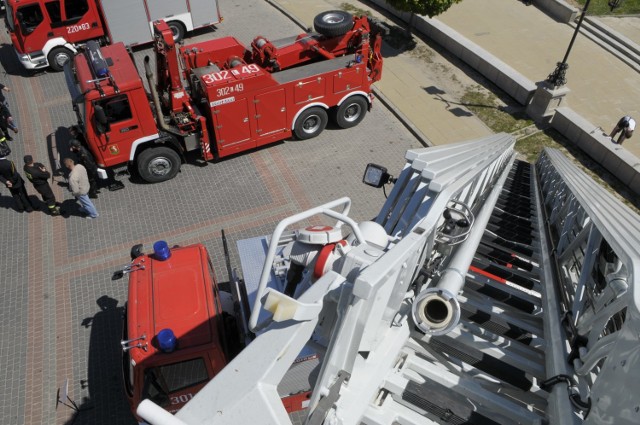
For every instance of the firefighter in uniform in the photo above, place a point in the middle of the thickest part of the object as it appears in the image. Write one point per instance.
(85, 158)
(39, 177)
(10, 177)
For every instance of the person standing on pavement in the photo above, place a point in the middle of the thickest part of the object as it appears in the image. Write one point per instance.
(3, 88)
(10, 177)
(625, 126)
(84, 158)
(6, 120)
(79, 187)
(39, 177)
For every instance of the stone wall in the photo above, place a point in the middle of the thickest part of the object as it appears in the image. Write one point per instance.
(557, 9)
(501, 74)
(591, 140)
(595, 143)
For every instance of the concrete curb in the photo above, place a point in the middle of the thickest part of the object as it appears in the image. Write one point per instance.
(424, 140)
(288, 14)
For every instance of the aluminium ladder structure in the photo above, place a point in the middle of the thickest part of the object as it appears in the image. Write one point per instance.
(503, 293)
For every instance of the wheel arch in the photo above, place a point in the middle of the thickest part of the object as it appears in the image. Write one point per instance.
(305, 107)
(355, 93)
(57, 42)
(147, 142)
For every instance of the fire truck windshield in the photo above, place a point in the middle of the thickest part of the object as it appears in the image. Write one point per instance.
(29, 17)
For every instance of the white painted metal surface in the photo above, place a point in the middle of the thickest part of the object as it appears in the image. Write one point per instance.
(511, 348)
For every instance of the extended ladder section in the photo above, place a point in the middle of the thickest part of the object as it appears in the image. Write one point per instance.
(504, 293)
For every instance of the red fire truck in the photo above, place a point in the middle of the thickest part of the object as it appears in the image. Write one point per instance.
(234, 98)
(49, 32)
(177, 332)
(181, 328)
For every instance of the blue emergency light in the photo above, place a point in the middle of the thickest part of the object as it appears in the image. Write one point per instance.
(161, 250)
(99, 65)
(167, 340)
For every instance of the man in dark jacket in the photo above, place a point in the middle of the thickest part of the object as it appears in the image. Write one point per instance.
(39, 177)
(10, 177)
(6, 121)
(84, 157)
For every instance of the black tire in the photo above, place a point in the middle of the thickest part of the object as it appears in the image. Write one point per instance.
(351, 112)
(158, 164)
(310, 123)
(58, 56)
(333, 23)
(178, 30)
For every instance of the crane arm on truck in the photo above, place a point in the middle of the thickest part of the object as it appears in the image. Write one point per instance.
(174, 97)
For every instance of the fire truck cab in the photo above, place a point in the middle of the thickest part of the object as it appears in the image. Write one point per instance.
(174, 336)
(235, 98)
(49, 32)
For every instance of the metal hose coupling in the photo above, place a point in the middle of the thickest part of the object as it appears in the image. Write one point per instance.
(436, 311)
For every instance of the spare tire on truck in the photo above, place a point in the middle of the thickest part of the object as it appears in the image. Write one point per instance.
(333, 23)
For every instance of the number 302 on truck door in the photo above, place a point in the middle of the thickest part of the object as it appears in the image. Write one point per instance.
(224, 91)
(77, 28)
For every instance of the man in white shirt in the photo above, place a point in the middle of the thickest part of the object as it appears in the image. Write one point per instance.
(625, 126)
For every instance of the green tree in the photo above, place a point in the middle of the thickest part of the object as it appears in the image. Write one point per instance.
(430, 8)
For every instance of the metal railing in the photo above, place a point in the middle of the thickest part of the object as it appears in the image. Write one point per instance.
(596, 251)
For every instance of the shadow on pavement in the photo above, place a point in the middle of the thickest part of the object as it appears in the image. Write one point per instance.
(10, 62)
(106, 403)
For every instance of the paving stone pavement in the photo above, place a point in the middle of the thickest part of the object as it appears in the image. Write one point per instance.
(60, 309)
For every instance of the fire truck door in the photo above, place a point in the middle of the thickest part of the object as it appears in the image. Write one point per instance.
(232, 127)
(121, 130)
(33, 27)
(73, 20)
(271, 115)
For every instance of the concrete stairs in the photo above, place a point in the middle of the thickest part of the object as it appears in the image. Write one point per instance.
(614, 42)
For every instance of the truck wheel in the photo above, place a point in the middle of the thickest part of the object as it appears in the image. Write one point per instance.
(178, 30)
(351, 112)
(333, 23)
(58, 56)
(158, 164)
(310, 123)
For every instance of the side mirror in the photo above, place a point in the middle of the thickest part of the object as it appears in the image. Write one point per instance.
(136, 251)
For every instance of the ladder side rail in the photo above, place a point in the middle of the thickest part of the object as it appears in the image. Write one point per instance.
(605, 309)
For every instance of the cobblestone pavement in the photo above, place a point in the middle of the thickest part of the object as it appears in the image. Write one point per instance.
(60, 309)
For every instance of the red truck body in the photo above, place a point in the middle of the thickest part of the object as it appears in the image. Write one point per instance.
(174, 292)
(49, 32)
(236, 99)
(177, 293)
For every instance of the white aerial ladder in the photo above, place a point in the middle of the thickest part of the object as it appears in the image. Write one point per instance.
(486, 291)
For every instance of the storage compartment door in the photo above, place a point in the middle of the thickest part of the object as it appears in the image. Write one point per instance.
(271, 115)
(127, 21)
(166, 9)
(232, 127)
(204, 12)
(348, 79)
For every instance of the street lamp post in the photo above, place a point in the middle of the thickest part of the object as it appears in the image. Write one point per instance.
(558, 77)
